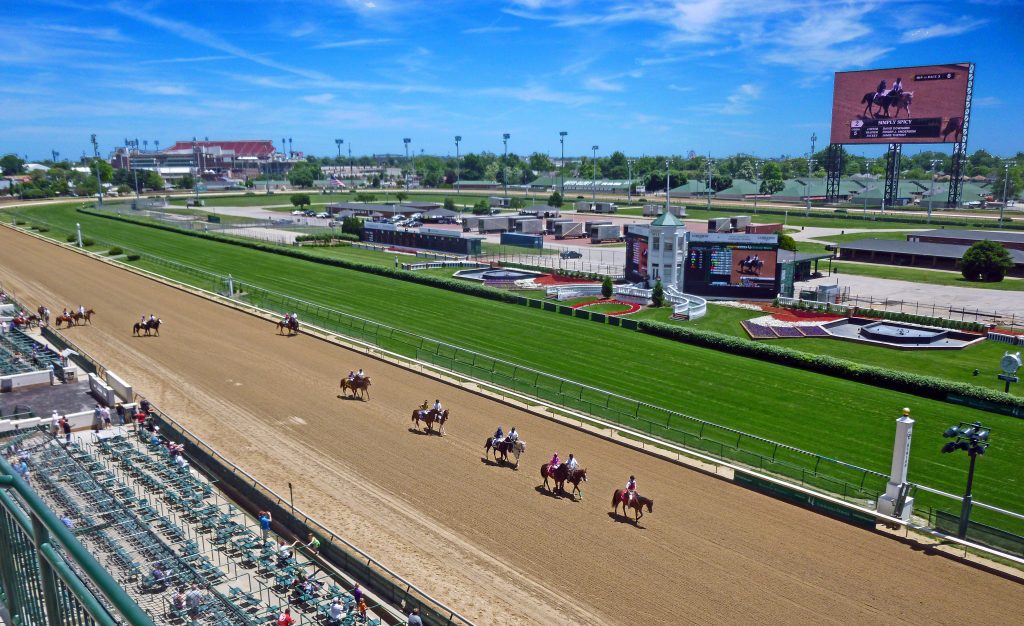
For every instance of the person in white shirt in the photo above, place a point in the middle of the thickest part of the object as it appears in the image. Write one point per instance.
(571, 463)
(437, 406)
(337, 611)
(513, 436)
(360, 375)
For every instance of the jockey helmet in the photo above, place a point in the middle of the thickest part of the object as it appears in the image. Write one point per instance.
(632, 477)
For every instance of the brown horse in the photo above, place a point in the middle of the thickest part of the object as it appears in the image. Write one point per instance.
(637, 503)
(357, 387)
(87, 316)
(44, 315)
(563, 474)
(517, 448)
(65, 319)
(150, 327)
(429, 418)
(292, 326)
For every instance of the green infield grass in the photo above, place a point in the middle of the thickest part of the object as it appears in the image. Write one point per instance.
(838, 418)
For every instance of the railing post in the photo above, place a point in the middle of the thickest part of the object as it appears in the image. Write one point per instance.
(47, 580)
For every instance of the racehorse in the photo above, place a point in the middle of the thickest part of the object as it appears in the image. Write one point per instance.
(638, 503)
(751, 265)
(66, 319)
(517, 448)
(901, 100)
(44, 315)
(87, 316)
(563, 474)
(429, 418)
(28, 321)
(292, 326)
(150, 326)
(356, 386)
(954, 126)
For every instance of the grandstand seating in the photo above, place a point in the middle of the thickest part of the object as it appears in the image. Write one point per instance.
(136, 509)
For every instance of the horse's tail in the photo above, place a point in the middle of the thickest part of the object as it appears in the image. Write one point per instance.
(487, 444)
(616, 496)
(868, 97)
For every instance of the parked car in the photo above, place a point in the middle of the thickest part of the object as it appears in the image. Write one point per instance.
(570, 254)
(298, 212)
(414, 224)
(324, 215)
(309, 213)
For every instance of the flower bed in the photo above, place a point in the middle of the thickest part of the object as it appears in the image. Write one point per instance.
(757, 331)
(629, 306)
(813, 331)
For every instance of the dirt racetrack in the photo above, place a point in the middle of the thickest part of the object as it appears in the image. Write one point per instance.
(480, 537)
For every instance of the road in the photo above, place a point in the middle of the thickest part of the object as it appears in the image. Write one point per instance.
(481, 537)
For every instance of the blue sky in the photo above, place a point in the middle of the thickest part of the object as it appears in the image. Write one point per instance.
(645, 77)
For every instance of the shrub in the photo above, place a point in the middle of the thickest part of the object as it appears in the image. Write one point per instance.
(19, 222)
(986, 261)
(86, 242)
(134, 257)
(658, 294)
(70, 238)
(115, 251)
(607, 287)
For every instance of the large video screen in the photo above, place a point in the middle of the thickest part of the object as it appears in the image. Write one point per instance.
(732, 266)
(923, 104)
(636, 257)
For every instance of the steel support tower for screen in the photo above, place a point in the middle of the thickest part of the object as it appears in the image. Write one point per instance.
(892, 174)
(956, 172)
(834, 168)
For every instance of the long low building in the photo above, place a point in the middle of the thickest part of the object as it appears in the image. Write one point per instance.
(1008, 239)
(944, 256)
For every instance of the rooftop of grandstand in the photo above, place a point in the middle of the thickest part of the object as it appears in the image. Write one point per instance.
(161, 529)
(263, 148)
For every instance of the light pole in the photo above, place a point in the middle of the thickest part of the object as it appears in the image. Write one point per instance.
(195, 160)
(807, 185)
(593, 185)
(135, 171)
(284, 147)
(458, 169)
(291, 151)
(668, 188)
(1006, 177)
(931, 187)
(96, 158)
(629, 186)
(710, 164)
(351, 172)
(338, 143)
(504, 163)
(972, 438)
(406, 142)
(757, 181)
(561, 168)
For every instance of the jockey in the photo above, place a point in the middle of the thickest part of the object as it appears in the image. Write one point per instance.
(287, 318)
(424, 407)
(437, 405)
(513, 436)
(499, 435)
(81, 310)
(152, 318)
(360, 375)
(351, 376)
(571, 463)
(553, 464)
(66, 313)
(897, 87)
(630, 492)
(142, 320)
(881, 88)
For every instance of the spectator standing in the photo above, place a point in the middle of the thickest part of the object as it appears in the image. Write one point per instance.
(265, 520)
(362, 610)
(357, 594)
(285, 619)
(105, 414)
(414, 618)
(313, 544)
(97, 418)
(119, 410)
(66, 428)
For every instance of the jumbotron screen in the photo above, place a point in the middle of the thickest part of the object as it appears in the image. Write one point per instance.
(925, 104)
(732, 265)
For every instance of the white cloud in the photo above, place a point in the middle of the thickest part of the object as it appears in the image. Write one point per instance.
(104, 34)
(675, 87)
(940, 30)
(351, 43)
(164, 90)
(490, 29)
(204, 59)
(986, 101)
(322, 98)
(536, 93)
(596, 83)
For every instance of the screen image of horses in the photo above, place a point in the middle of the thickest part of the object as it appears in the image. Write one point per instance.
(750, 264)
(925, 104)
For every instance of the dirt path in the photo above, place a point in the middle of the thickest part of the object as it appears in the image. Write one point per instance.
(483, 538)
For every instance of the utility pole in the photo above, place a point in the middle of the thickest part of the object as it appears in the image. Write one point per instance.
(338, 143)
(135, 171)
(96, 158)
(757, 181)
(1006, 178)
(351, 169)
(458, 169)
(814, 140)
(195, 159)
(807, 185)
(406, 142)
(561, 169)
(291, 151)
(593, 187)
(284, 147)
(504, 163)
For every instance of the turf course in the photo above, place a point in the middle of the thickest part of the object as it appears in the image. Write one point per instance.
(838, 418)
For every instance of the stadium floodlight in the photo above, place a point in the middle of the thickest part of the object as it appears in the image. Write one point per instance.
(972, 438)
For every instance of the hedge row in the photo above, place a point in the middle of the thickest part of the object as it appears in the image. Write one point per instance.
(460, 286)
(926, 386)
(893, 316)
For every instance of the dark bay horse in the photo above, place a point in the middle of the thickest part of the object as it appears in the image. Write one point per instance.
(87, 316)
(357, 387)
(292, 326)
(562, 475)
(149, 327)
(429, 418)
(637, 504)
(517, 448)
